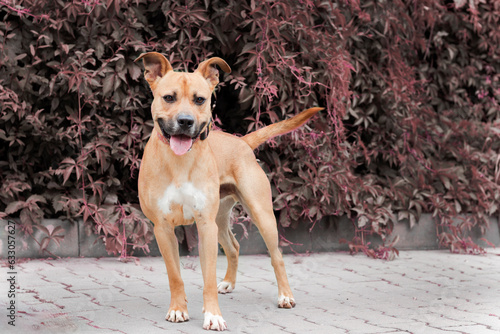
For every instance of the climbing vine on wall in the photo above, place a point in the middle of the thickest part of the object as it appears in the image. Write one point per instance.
(411, 90)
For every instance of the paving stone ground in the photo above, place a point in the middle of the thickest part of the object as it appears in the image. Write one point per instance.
(419, 292)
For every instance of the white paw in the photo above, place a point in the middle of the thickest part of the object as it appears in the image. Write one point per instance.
(225, 287)
(177, 316)
(214, 322)
(286, 302)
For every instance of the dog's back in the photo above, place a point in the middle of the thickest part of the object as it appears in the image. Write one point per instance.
(230, 150)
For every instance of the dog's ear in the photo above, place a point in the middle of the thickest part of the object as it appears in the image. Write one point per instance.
(155, 66)
(210, 72)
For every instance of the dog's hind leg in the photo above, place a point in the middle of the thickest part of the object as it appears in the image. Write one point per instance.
(254, 193)
(229, 244)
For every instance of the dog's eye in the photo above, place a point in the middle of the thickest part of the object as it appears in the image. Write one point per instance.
(169, 98)
(199, 100)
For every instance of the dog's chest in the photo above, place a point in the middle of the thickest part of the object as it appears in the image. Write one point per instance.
(185, 197)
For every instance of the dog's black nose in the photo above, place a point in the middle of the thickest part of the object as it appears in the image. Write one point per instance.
(185, 121)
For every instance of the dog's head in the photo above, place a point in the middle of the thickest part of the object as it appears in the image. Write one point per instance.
(181, 107)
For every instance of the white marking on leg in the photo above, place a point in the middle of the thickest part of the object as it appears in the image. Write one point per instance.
(286, 302)
(177, 316)
(225, 287)
(214, 322)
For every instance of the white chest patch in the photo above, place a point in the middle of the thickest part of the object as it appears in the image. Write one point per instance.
(191, 198)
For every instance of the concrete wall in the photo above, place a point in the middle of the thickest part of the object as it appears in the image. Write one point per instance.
(326, 236)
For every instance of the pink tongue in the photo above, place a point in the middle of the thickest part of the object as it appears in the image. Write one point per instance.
(180, 144)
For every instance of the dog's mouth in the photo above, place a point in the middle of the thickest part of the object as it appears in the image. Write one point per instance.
(180, 143)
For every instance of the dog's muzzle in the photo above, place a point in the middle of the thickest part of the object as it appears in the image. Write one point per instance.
(182, 133)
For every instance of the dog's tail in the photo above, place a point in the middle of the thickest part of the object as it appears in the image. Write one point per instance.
(256, 138)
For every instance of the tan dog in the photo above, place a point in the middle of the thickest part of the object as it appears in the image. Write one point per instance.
(191, 174)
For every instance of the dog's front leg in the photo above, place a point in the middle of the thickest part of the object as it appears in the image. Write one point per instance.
(169, 248)
(207, 232)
